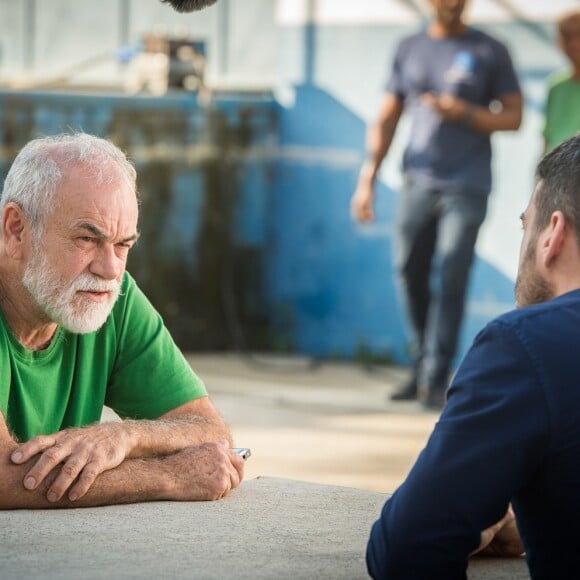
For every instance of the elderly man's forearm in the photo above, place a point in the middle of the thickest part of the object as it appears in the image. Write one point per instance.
(205, 472)
(166, 436)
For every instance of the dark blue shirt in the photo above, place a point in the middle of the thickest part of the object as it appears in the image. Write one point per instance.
(510, 432)
(474, 67)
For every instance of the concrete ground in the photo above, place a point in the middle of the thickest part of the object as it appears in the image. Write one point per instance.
(330, 426)
(330, 423)
(267, 528)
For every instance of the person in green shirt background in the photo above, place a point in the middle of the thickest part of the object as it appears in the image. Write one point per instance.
(76, 333)
(563, 101)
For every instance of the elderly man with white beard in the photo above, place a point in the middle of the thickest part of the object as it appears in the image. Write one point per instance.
(76, 333)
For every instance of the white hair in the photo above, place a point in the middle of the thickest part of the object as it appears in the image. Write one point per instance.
(35, 174)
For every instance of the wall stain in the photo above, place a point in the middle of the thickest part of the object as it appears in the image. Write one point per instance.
(206, 283)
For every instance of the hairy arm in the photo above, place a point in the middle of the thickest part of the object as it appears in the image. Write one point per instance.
(80, 455)
(203, 472)
(194, 422)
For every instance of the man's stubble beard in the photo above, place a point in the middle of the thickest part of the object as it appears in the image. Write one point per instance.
(59, 298)
(530, 287)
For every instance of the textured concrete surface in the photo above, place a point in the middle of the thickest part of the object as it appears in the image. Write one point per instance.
(268, 528)
(327, 446)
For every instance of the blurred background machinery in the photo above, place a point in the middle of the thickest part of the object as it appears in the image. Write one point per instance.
(165, 62)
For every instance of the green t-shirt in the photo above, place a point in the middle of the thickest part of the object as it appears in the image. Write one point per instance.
(562, 110)
(130, 364)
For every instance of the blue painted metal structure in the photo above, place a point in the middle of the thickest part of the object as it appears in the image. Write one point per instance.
(204, 178)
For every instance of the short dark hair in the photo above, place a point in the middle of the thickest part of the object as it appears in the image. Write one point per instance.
(558, 175)
(189, 5)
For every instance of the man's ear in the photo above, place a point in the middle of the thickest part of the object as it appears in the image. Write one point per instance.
(14, 226)
(553, 238)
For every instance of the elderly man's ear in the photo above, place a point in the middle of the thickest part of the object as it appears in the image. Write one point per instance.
(14, 225)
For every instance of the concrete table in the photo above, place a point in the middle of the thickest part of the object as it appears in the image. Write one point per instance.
(268, 528)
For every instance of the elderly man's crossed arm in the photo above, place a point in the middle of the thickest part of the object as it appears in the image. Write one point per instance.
(174, 458)
(184, 455)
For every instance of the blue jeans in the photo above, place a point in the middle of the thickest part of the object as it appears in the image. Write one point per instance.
(436, 231)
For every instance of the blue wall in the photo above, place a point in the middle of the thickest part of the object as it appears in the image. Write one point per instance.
(248, 241)
(321, 268)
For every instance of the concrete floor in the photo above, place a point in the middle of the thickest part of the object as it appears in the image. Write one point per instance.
(329, 424)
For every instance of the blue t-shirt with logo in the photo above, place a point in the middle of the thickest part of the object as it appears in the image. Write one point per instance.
(474, 67)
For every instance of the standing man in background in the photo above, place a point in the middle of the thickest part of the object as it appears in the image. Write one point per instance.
(459, 86)
(563, 101)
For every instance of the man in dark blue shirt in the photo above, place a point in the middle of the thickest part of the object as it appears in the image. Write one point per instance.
(445, 78)
(510, 431)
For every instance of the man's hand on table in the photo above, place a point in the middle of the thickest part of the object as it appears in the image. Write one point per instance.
(502, 539)
(72, 459)
(82, 455)
(203, 473)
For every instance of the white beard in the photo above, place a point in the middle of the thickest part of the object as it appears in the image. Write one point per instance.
(59, 300)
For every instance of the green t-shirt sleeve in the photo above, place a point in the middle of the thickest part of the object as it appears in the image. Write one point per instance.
(553, 81)
(547, 111)
(150, 375)
(562, 111)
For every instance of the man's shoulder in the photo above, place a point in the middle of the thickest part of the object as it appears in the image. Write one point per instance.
(128, 282)
(130, 303)
(485, 38)
(133, 311)
(491, 46)
(413, 39)
(564, 310)
(128, 289)
(559, 79)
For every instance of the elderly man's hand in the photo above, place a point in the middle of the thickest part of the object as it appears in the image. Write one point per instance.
(78, 455)
(205, 472)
